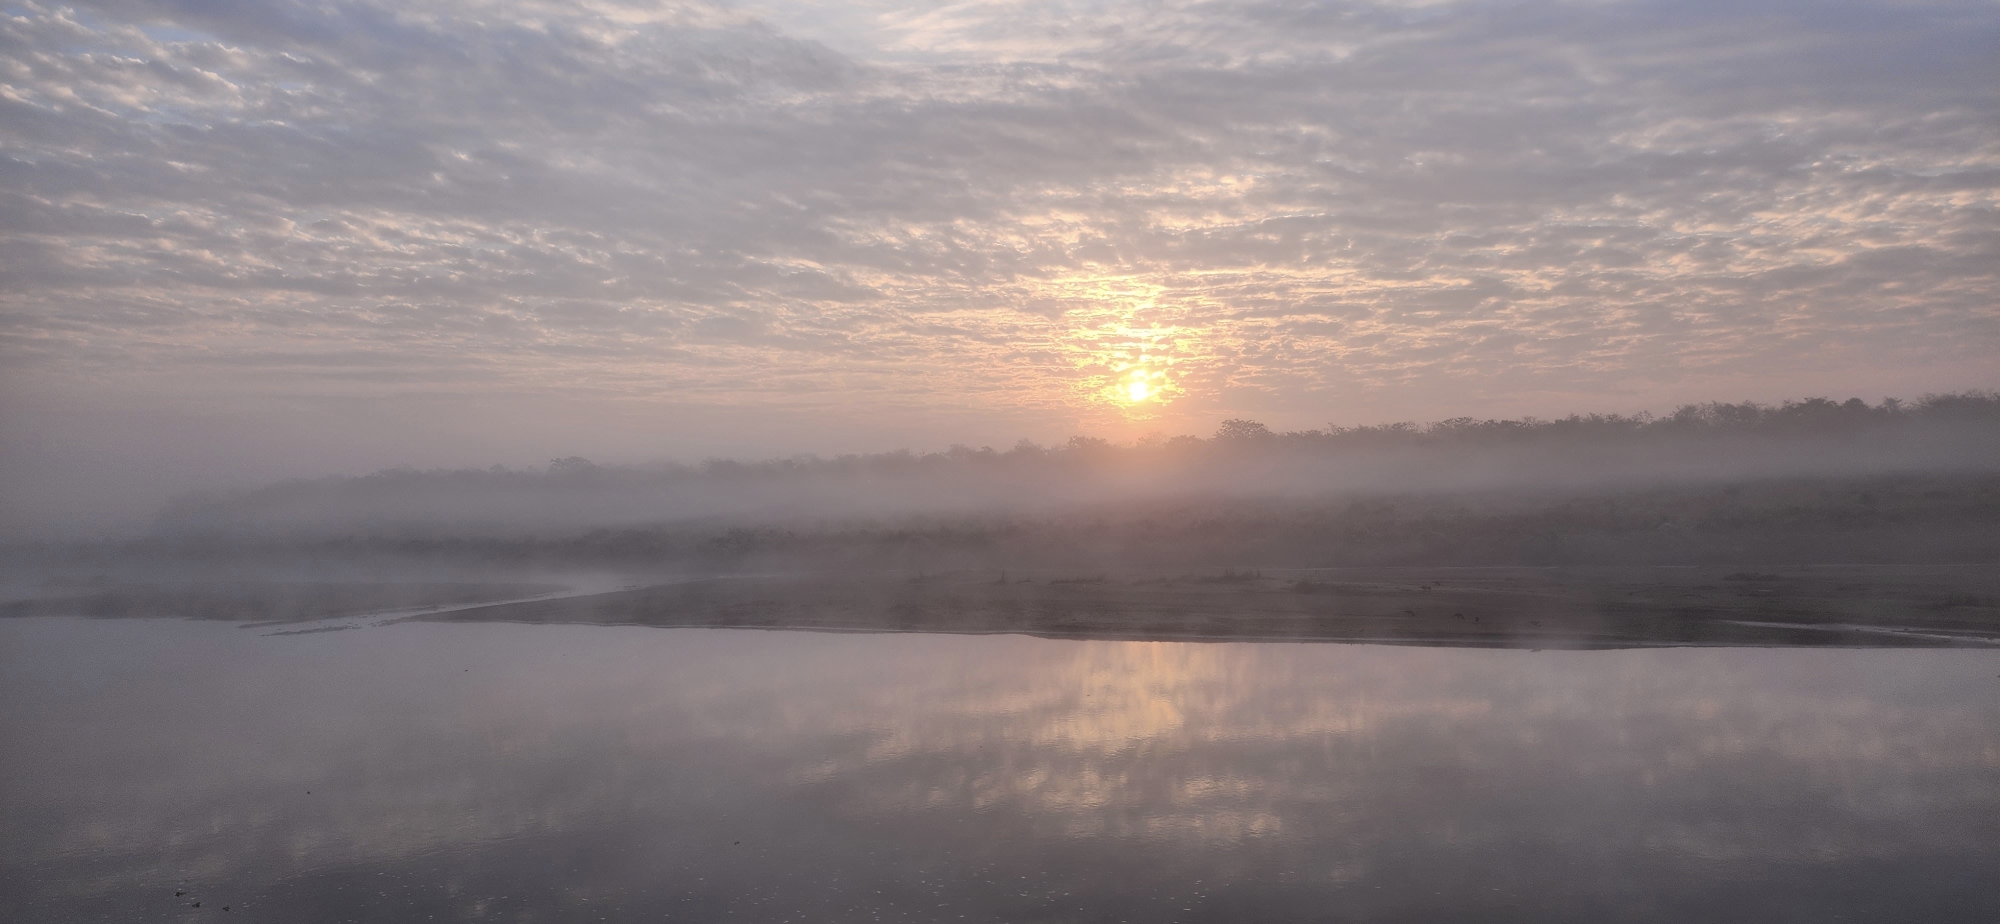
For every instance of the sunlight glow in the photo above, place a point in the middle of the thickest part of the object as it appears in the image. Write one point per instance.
(1126, 363)
(1140, 381)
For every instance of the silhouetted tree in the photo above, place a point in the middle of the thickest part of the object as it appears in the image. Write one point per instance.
(1233, 431)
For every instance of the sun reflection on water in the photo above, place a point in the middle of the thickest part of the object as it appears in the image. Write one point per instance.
(866, 763)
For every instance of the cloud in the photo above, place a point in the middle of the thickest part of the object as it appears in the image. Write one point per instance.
(1294, 210)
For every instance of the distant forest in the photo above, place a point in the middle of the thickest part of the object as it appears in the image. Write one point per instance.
(1805, 480)
(1699, 442)
(1812, 417)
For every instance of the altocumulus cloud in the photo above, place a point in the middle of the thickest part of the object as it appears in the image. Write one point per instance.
(1289, 208)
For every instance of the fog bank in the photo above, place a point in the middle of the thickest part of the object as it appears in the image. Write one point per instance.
(1243, 461)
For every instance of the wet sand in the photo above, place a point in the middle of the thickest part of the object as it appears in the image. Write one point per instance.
(1473, 607)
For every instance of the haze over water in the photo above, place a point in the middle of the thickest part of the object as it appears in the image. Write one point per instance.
(516, 773)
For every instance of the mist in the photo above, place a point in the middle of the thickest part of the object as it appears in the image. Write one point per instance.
(1243, 461)
(1801, 482)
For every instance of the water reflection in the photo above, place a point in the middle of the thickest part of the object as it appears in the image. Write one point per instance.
(534, 772)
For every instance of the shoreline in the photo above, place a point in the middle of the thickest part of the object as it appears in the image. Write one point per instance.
(1871, 606)
(1495, 608)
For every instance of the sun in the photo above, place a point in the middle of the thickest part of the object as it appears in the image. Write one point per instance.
(1128, 368)
(1139, 383)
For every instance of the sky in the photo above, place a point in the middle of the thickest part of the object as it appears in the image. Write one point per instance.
(252, 239)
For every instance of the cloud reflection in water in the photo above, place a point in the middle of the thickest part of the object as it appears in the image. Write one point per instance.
(515, 772)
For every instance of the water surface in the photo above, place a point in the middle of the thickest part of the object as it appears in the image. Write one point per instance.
(534, 773)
